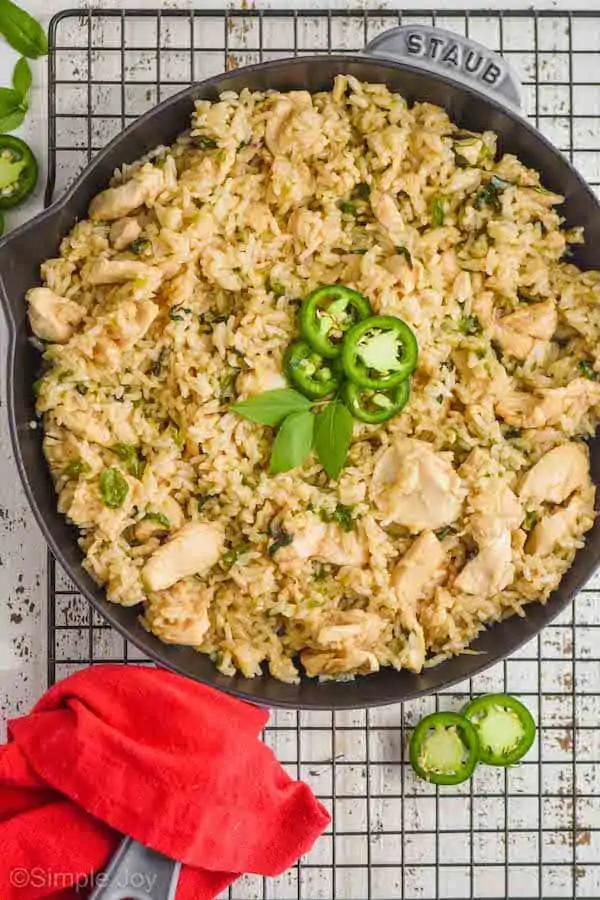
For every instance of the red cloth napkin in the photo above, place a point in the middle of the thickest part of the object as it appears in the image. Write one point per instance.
(132, 750)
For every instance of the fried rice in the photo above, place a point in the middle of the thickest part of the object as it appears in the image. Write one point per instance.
(179, 295)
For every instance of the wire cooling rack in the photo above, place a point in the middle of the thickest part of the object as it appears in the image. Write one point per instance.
(533, 831)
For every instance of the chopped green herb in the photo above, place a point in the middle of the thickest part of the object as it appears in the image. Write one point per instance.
(587, 370)
(178, 437)
(281, 538)
(469, 325)
(203, 142)
(444, 532)
(530, 520)
(401, 250)
(227, 385)
(489, 194)
(203, 499)
(349, 208)
(437, 210)
(320, 572)
(140, 246)
(82, 389)
(276, 288)
(156, 367)
(178, 313)
(159, 518)
(362, 191)
(342, 515)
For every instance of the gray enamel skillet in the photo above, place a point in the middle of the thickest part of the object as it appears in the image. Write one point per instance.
(479, 92)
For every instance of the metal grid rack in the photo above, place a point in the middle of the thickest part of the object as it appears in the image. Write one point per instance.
(533, 831)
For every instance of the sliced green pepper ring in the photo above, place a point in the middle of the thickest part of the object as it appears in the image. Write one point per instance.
(505, 727)
(444, 748)
(328, 313)
(309, 372)
(18, 171)
(375, 407)
(379, 352)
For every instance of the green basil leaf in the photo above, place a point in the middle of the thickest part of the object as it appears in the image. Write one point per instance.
(10, 101)
(113, 488)
(272, 407)
(12, 121)
(293, 442)
(22, 31)
(22, 79)
(333, 433)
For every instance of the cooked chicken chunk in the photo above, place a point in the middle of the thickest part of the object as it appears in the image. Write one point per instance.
(480, 379)
(339, 662)
(517, 333)
(131, 322)
(553, 529)
(116, 271)
(325, 541)
(343, 644)
(339, 628)
(124, 232)
(53, 318)
(420, 570)
(115, 203)
(193, 550)
(293, 124)
(496, 509)
(496, 513)
(180, 613)
(490, 571)
(556, 475)
(552, 406)
(388, 215)
(265, 376)
(416, 487)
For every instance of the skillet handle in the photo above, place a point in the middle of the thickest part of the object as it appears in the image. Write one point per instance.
(453, 56)
(138, 873)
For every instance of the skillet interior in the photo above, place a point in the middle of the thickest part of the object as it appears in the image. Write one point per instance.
(20, 258)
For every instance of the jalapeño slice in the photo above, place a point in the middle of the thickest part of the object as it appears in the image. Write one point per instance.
(505, 728)
(444, 748)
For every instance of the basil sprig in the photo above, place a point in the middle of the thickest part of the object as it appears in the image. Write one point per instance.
(303, 426)
(14, 101)
(22, 31)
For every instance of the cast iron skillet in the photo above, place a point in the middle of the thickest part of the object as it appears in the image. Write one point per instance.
(423, 64)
